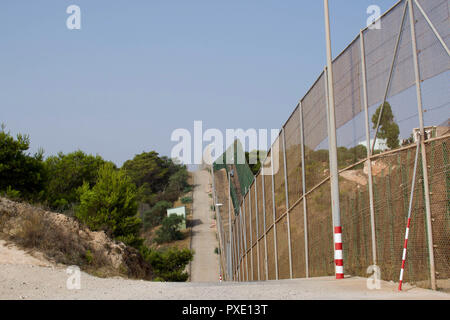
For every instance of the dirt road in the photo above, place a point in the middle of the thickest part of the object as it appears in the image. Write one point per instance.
(205, 266)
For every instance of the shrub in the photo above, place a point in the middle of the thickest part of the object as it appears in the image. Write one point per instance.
(170, 229)
(168, 265)
(67, 173)
(19, 170)
(185, 200)
(111, 205)
(155, 215)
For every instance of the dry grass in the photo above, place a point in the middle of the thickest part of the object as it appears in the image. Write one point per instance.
(63, 240)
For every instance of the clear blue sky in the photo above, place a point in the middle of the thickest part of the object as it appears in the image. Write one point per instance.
(137, 70)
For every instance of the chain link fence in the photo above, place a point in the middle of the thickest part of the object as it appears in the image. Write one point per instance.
(284, 220)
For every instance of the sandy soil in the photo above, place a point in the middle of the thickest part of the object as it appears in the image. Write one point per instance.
(10, 254)
(205, 266)
(23, 276)
(34, 282)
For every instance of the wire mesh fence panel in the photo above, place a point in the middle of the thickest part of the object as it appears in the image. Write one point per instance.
(248, 220)
(246, 267)
(255, 262)
(392, 187)
(270, 255)
(315, 134)
(433, 59)
(355, 221)
(296, 217)
(293, 157)
(320, 232)
(439, 176)
(268, 194)
(253, 211)
(260, 204)
(392, 111)
(434, 63)
(279, 181)
(282, 249)
(261, 262)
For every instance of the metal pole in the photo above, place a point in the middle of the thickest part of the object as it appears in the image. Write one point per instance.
(229, 220)
(257, 229)
(413, 183)
(369, 151)
(422, 143)
(334, 175)
(250, 230)
(245, 237)
(241, 260)
(274, 218)
(287, 203)
(264, 221)
(305, 214)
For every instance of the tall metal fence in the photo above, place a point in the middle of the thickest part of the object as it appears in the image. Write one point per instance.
(283, 227)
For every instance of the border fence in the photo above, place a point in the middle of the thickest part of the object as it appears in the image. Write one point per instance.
(391, 95)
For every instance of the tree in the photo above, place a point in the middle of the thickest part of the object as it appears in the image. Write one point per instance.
(111, 205)
(170, 229)
(156, 214)
(19, 170)
(67, 173)
(152, 175)
(388, 129)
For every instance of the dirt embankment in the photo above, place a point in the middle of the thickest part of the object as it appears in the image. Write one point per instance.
(56, 239)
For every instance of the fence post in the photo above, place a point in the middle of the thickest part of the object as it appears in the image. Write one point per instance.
(257, 228)
(369, 149)
(250, 229)
(229, 225)
(423, 150)
(245, 238)
(334, 174)
(305, 214)
(287, 203)
(274, 217)
(264, 221)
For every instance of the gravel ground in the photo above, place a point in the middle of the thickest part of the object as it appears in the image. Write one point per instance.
(37, 282)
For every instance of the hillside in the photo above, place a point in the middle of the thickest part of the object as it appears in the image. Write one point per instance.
(56, 239)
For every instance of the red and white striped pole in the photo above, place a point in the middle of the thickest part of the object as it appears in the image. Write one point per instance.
(220, 278)
(338, 258)
(334, 172)
(405, 245)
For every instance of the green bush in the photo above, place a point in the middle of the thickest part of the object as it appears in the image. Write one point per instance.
(170, 229)
(168, 265)
(185, 200)
(12, 194)
(111, 205)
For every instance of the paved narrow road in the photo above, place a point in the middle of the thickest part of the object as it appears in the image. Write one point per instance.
(205, 266)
